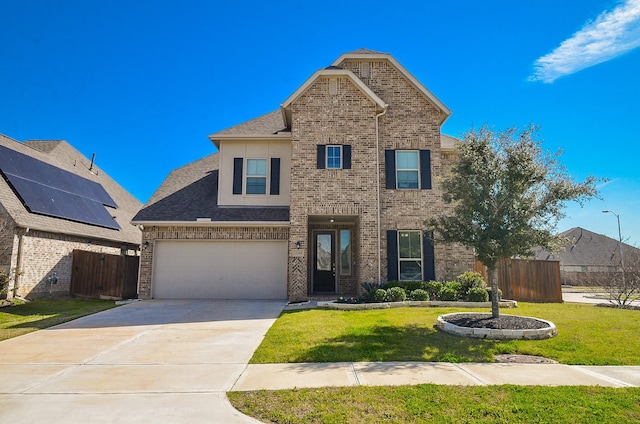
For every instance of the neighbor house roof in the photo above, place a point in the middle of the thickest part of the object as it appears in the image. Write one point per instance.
(189, 195)
(62, 155)
(585, 248)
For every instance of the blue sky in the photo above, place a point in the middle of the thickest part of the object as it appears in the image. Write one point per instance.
(142, 83)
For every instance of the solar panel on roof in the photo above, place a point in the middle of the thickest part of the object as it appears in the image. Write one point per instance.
(48, 190)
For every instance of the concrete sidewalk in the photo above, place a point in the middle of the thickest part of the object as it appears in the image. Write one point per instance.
(287, 376)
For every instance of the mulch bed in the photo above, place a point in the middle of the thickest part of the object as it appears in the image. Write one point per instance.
(503, 322)
(616, 306)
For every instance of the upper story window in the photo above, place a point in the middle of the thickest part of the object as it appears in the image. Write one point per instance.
(407, 169)
(250, 176)
(256, 178)
(333, 156)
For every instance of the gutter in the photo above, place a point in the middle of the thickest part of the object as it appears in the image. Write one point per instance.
(208, 223)
(378, 189)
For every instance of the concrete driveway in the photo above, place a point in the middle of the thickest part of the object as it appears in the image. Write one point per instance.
(150, 361)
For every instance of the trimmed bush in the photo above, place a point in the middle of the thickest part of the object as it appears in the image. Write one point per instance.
(396, 294)
(380, 295)
(433, 288)
(470, 280)
(488, 289)
(448, 294)
(419, 294)
(478, 294)
(370, 289)
(457, 286)
(408, 286)
(4, 283)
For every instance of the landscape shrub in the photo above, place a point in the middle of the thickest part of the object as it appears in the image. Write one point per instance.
(433, 288)
(396, 294)
(380, 295)
(448, 294)
(455, 286)
(408, 286)
(4, 283)
(488, 289)
(370, 289)
(469, 280)
(419, 294)
(478, 294)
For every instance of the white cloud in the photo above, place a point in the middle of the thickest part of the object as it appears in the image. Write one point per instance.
(610, 35)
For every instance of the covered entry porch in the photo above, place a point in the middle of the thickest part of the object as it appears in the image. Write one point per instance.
(333, 265)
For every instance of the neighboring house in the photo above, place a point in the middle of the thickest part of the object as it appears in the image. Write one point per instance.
(329, 191)
(586, 255)
(54, 200)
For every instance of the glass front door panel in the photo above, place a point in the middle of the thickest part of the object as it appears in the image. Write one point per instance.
(324, 268)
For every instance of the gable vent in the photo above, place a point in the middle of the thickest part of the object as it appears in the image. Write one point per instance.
(333, 86)
(365, 71)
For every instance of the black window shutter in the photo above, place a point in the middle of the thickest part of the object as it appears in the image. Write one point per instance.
(321, 156)
(346, 156)
(390, 168)
(392, 255)
(237, 175)
(425, 169)
(429, 257)
(274, 186)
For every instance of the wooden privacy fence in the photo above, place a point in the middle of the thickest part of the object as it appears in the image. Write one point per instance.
(101, 275)
(527, 281)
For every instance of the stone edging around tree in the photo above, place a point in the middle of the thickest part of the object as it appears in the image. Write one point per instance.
(498, 334)
(415, 303)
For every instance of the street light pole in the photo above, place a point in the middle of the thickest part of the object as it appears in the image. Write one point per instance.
(624, 283)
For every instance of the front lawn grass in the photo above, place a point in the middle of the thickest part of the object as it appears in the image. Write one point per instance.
(43, 313)
(443, 404)
(587, 335)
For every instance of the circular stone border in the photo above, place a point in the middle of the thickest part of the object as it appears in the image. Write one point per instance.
(497, 334)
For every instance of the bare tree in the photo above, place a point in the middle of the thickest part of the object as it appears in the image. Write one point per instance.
(620, 291)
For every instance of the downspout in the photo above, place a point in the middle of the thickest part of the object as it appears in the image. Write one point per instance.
(18, 270)
(378, 189)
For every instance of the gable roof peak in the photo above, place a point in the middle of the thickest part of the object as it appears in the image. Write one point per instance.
(370, 55)
(365, 51)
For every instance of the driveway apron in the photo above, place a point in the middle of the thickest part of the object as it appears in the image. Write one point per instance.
(151, 361)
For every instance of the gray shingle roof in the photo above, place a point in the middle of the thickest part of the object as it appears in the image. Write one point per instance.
(586, 248)
(61, 154)
(191, 192)
(365, 51)
(267, 124)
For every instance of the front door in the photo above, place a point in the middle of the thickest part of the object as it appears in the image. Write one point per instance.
(324, 262)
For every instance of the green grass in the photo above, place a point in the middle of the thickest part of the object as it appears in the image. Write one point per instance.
(587, 335)
(443, 404)
(39, 314)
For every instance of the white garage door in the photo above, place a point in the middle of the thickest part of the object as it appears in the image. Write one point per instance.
(227, 269)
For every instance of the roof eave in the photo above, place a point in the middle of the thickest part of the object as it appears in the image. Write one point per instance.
(204, 223)
(217, 138)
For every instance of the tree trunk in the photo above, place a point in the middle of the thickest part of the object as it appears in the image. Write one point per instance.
(495, 298)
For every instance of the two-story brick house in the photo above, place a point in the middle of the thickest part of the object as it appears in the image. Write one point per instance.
(327, 192)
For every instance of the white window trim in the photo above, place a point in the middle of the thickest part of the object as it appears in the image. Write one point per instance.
(417, 152)
(266, 177)
(421, 258)
(326, 155)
